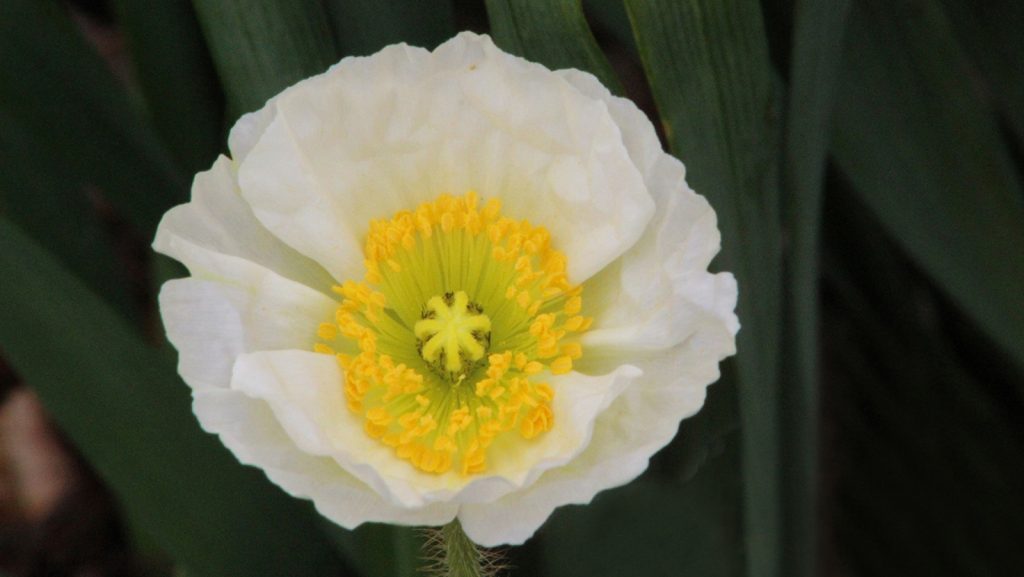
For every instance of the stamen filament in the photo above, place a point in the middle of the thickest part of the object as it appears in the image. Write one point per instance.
(461, 319)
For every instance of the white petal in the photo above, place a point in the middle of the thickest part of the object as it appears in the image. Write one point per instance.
(217, 223)
(249, 429)
(652, 299)
(642, 419)
(211, 323)
(373, 136)
(659, 293)
(638, 133)
(515, 463)
(305, 393)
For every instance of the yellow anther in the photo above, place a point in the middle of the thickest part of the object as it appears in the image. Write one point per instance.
(378, 416)
(561, 365)
(409, 420)
(374, 430)
(497, 361)
(538, 421)
(447, 222)
(475, 460)
(544, 391)
(523, 300)
(491, 209)
(448, 410)
(573, 305)
(521, 359)
(572, 350)
(547, 346)
(405, 450)
(483, 386)
(533, 367)
(574, 324)
(541, 324)
(446, 444)
(327, 331)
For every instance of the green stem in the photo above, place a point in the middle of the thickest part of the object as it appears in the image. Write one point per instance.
(460, 556)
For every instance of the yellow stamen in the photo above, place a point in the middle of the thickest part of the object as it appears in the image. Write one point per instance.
(434, 376)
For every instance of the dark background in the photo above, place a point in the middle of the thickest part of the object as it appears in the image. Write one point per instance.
(911, 439)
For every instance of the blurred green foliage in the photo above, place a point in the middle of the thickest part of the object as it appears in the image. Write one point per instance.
(872, 421)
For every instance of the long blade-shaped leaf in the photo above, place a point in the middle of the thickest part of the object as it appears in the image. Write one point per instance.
(363, 28)
(60, 212)
(125, 409)
(817, 44)
(177, 78)
(915, 416)
(74, 119)
(654, 527)
(553, 32)
(261, 47)
(381, 550)
(990, 32)
(707, 62)
(923, 151)
(609, 17)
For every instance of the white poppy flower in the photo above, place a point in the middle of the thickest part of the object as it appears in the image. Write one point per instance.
(449, 284)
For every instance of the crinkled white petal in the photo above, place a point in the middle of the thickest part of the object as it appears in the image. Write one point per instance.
(249, 309)
(250, 430)
(657, 293)
(641, 420)
(302, 388)
(217, 224)
(515, 462)
(376, 135)
(212, 324)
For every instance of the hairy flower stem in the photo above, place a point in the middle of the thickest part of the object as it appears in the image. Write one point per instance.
(460, 556)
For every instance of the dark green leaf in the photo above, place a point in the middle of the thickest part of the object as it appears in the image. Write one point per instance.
(65, 114)
(125, 409)
(924, 152)
(990, 32)
(707, 63)
(610, 16)
(654, 527)
(363, 28)
(379, 550)
(911, 417)
(552, 32)
(62, 213)
(260, 47)
(176, 76)
(817, 43)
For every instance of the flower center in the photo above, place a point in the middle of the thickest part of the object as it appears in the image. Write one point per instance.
(433, 375)
(453, 334)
